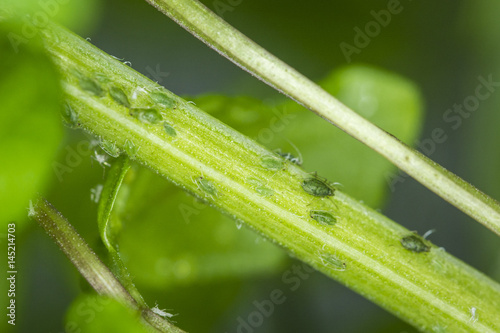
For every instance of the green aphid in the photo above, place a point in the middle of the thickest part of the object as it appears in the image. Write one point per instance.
(162, 99)
(254, 181)
(267, 192)
(109, 147)
(206, 186)
(76, 73)
(331, 260)
(323, 217)
(119, 96)
(415, 243)
(102, 78)
(131, 149)
(317, 187)
(271, 162)
(169, 129)
(70, 117)
(150, 116)
(289, 157)
(91, 86)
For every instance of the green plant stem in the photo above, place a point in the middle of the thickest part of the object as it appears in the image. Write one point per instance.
(245, 53)
(431, 290)
(88, 264)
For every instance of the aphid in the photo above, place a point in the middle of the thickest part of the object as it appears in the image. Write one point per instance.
(119, 96)
(260, 187)
(267, 192)
(169, 129)
(101, 159)
(473, 315)
(323, 217)
(150, 116)
(109, 147)
(76, 73)
(331, 260)
(102, 78)
(90, 86)
(289, 157)
(31, 209)
(254, 181)
(70, 116)
(271, 162)
(131, 149)
(139, 93)
(317, 187)
(163, 99)
(206, 186)
(161, 312)
(415, 243)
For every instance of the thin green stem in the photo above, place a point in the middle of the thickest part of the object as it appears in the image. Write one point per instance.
(235, 46)
(105, 206)
(362, 249)
(88, 264)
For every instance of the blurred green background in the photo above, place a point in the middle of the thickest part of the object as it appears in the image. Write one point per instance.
(188, 258)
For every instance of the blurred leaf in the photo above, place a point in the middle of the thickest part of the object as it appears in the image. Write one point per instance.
(388, 100)
(90, 313)
(170, 238)
(77, 15)
(30, 122)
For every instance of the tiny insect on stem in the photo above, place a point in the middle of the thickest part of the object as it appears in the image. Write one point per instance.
(318, 188)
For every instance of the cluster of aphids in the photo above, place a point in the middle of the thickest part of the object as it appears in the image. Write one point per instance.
(100, 85)
(312, 185)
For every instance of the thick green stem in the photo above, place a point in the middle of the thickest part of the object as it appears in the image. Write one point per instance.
(362, 249)
(88, 264)
(235, 46)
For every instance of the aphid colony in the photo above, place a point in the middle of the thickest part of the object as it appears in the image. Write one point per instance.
(100, 84)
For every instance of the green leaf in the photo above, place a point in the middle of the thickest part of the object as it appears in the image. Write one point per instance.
(93, 313)
(386, 99)
(107, 200)
(109, 225)
(30, 122)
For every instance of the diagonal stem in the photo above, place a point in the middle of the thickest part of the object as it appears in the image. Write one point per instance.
(242, 51)
(357, 246)
(88, 264)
